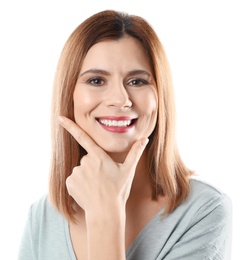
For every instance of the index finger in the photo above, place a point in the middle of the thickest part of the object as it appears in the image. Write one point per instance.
(80, 136)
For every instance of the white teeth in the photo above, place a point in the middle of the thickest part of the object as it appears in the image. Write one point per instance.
(120, 123)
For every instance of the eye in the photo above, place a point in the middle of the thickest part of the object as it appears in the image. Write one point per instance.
(137, 82)
(96, 81)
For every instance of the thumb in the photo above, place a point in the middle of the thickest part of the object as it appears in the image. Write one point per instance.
(135, 153)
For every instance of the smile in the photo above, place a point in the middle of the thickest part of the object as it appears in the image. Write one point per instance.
(117, 124)
(120, 123)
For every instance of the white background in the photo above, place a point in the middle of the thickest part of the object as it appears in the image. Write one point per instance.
(206, 44)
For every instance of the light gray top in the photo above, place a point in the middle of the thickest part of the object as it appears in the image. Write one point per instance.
(200, 228)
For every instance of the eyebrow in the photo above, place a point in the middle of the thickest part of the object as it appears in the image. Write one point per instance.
(106, 73)
(138, 72)
(95, 71)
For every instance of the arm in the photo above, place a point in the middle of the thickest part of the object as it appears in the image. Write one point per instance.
(101, 188)
(106, 234)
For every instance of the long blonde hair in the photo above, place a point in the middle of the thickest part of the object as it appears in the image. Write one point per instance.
(168, 174)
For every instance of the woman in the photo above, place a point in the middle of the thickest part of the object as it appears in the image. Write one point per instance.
(118, 187)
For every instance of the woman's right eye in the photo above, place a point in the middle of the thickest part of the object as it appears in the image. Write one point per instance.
(96, 81)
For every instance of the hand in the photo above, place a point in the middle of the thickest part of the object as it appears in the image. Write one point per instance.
(99, 182)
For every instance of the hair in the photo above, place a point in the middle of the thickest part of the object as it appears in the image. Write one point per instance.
(168, 174)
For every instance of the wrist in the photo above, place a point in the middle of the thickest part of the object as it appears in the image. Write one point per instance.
(106, 227)
(113, 214)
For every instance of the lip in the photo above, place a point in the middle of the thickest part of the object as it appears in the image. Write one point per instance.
(117, 129)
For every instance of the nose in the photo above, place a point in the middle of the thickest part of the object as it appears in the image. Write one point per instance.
(118, 96)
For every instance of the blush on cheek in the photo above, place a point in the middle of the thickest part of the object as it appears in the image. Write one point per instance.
(85, 101)
(83, 98)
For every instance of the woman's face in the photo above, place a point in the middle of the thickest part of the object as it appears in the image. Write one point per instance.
(115, 97)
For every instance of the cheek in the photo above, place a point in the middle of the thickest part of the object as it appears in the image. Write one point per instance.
(148, 103)
(81, 97)
(84, 102)
(147, 110)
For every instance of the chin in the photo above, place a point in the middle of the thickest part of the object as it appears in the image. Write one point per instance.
(116, 146)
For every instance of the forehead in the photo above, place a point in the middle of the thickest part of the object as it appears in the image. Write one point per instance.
(126, 52)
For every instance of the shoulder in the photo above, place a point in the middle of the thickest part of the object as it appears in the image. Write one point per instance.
(200, 227)
(43, 205)
(42, 214)
(40, 204)
(205, 191)
(199, 185)
(205, 199)
(46, 234)
(204, 203)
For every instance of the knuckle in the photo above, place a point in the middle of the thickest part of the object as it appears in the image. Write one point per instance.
(82, 160)
(68, 183)
(74, 171)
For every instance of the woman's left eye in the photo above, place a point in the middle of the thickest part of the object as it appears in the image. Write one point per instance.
(137, 82)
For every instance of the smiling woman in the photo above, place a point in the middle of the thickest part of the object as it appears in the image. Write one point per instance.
(118, 187)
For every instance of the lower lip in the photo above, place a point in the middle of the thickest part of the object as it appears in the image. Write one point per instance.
(117, 129)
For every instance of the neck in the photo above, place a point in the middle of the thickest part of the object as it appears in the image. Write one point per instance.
(141, 183)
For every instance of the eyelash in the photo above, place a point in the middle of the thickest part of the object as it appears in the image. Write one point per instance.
(140, 82)
(97, 81)
(92, 81)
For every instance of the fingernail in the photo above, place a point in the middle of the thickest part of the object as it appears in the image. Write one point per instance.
(61, 119)
(144, 141)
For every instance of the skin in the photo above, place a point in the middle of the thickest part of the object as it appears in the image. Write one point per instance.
(110, 185)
